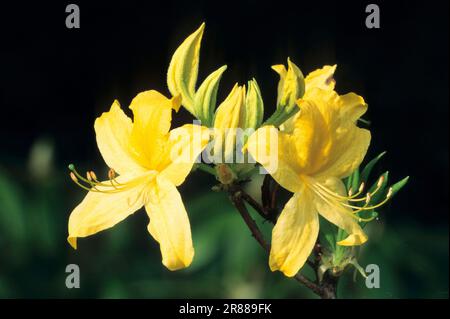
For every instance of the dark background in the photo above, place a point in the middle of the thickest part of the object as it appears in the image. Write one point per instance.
(55, 81)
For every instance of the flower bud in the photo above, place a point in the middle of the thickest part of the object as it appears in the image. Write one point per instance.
(206, 96)
(183, 69)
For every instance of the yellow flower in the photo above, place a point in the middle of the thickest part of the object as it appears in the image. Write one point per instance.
(324, 146)
(151, 161)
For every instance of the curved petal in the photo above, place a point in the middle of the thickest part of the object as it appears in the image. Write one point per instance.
(272, 150)
(294, 234)
(100, 211)
(340, 215)
(169, 224)
(113, 132)
(352, 107)
(185, 145)
(337, 145)
(152, 118)
(348, 153)
(321, 78)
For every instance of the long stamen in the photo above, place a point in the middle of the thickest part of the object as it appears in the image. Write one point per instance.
(349, 198)
(337, 200)
(388, 195)
(327, 198)
(93, 183)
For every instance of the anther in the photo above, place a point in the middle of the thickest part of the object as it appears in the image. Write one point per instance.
(380, 181)
(111, 174)
(93, 176)
(389, 194)
(361, 187)
(73, 177)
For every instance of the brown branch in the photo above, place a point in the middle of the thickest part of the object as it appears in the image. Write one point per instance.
(236, 199)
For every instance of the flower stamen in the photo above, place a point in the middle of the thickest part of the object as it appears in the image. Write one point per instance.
(92, 183)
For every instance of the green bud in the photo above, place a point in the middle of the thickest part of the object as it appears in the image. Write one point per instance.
(206, 97)
(254, 110)
(291, 87)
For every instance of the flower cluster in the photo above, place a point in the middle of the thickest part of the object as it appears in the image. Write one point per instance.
(311, 146)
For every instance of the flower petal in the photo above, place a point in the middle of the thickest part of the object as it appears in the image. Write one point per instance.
(113, 132)
(100, 211)
(294, 234)
(272, 150)
(348, 153)
(321, 78)
(340, 215)
(352, 107)
(169, 224)
(185, 145)
(152, 117)
(337, 146)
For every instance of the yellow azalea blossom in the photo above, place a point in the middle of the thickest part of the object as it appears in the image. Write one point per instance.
(324, 146)
(151, 161)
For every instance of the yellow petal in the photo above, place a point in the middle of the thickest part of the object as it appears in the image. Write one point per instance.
(352, 107)
(340, 215)
(231, 111)
(312, 138)
(113, 133)
(169, 224)
(335, 145)
(152, 117)
(321, 78)
(100, 211)
(294, 234)
(229, 115)
(185, 145)
(272, 150)
(348, 153)
(183, 68)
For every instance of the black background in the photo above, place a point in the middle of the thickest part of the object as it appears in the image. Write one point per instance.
(54, 81)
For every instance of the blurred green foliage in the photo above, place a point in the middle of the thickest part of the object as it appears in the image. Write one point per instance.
(124, 262)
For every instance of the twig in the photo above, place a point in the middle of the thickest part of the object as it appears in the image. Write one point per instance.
(236, 199)
(256, 206)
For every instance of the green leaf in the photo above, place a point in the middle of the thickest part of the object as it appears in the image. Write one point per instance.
(399, 185)
(368, 168)
(355, 180)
